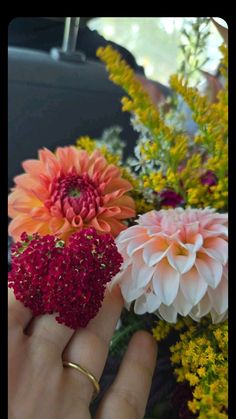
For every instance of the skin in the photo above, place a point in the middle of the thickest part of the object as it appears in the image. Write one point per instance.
(39, 386)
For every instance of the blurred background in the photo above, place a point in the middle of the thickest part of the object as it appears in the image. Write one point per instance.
(155, 42)
(56, 94)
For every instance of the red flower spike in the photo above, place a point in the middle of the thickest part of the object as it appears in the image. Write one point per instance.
(49, 277)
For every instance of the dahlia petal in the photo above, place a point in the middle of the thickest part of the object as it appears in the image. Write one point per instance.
(128, 290)
(44, 229)
(153, 230)
(55, 211)
(55, 224)
(110, 211)
(122, 248)
(45, 154)
(23, 223)
(136, 244)
(52, 167)
(117, 279)
(125, 212)
(168, 314)
(201, 309)
(20, 201)
(218, 318)
(100, 225)
(140, 306)
(40, 213)
(110, 175)
(217, 218)
(12, 197)
(77, 221)
(215, 230)
(66, 226)
(98, 166)
(124, 201)
(193, 244)
(68, 157)
(216, 248)
(83, 212)
(112, 197)
(131, 233)
(219, 296)
(142, 276)
(33, 167)
(210, 269)
(32, 186)
(116, 226)
(165, 282)
(82, 161)
(180, 261)
(181, 304)
(26, 181)
(69, 213)
(147, 303)
(155, 250)
(151, 218)
(225, 271)
(137, 263)
(168, 225)
(91, 214)
(193, 286)
(191, 229)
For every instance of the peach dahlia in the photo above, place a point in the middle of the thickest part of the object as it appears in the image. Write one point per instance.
(175, 262)
(68, 190)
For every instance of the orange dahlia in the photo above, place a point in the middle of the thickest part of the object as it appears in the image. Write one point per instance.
(64, 192)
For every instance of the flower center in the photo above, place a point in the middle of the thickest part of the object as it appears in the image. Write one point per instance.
(74, 195)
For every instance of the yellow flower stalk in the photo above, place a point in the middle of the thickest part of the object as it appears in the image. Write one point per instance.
(174, 148)
(200, 356)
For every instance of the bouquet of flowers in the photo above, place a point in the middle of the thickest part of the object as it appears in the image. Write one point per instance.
(83, 220)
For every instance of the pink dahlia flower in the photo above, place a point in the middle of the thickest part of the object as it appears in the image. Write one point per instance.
(64, 192)
(175, 261)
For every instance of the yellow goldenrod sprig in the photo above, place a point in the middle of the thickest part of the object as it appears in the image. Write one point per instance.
(200, 356)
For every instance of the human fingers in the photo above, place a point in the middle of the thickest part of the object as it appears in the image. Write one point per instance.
(89, 347)
(19, 316)
(46, 332)
(127, 397)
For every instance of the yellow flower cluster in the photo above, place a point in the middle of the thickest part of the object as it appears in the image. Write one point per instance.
(86, 143)
(173, 148)
(155, 181)
(213, 137)
(224, 61)
(162, 328)
(142, 206)
(139, 102)
(200, 356)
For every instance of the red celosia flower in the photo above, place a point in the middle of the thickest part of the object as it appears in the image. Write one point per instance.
(49, 277)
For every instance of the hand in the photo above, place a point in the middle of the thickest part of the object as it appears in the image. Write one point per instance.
(39, 386)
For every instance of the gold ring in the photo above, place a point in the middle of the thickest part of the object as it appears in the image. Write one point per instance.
(86, 373)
